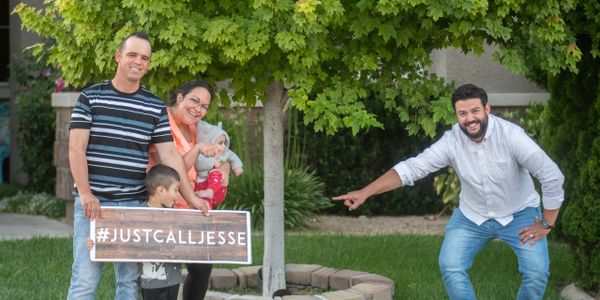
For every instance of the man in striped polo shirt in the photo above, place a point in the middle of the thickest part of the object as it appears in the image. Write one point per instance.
(112, 125)
(493, 159)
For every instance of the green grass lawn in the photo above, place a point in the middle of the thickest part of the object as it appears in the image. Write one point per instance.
(40, 268)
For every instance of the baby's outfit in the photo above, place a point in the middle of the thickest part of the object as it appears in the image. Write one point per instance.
(208, 133)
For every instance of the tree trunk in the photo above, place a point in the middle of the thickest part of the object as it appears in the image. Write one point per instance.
(273, 261)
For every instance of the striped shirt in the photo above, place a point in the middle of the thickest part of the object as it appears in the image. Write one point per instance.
(121, 128)
(494, 174)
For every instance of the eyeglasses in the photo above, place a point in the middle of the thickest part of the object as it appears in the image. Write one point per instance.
(198, 103)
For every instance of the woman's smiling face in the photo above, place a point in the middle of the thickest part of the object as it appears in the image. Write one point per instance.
(192, 107)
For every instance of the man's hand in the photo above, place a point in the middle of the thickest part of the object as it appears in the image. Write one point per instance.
(352, 199)
(91, 205)
(533, 233)
(390, 180)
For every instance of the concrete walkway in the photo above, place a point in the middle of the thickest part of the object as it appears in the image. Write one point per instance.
(16, 226)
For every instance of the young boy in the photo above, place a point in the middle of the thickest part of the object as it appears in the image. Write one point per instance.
(161, 280)
(209, 181)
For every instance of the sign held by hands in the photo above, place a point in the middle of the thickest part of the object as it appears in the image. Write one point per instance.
(171, 235)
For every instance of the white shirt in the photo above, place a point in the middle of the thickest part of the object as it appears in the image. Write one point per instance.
(494, 174)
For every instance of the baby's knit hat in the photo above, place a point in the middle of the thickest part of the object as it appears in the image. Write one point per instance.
(208, 133)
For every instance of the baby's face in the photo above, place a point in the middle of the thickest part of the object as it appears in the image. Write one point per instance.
(220, 142)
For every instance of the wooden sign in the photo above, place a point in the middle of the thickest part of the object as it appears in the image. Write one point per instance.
(171, 235)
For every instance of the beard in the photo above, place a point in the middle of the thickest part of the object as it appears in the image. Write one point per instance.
(483, 124)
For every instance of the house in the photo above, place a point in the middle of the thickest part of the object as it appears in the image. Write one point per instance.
(504, 88)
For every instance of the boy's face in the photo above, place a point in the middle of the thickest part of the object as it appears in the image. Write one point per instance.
(168, 198)
(220, 142)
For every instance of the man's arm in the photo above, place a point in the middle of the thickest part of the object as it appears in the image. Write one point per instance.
(551, 179)
(529, 155)
(169, 155)
(387, 182)
(404, 173)
(78, 142)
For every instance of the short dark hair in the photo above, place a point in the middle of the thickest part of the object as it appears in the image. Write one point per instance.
(137, 34)
(160, 175)
(469, 91)
(187, 87)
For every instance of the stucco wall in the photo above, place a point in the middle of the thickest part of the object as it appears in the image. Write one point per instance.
(504, 87)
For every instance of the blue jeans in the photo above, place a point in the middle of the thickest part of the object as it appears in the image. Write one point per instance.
(85, 274)
(464, 239)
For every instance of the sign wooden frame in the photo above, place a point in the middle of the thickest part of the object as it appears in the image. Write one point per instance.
(147, 234)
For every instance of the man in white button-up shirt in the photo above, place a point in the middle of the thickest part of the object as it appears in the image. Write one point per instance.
(493, 159)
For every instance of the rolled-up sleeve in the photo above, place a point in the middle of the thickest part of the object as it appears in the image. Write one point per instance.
(533, 158)
(550, 177)
(432, 159)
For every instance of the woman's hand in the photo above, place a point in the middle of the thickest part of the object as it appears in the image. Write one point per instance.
(199, 203)
(224, 168)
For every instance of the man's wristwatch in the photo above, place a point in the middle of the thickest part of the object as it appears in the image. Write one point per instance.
(545, 224)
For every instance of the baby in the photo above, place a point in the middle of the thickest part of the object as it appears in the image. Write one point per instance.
(209, 181)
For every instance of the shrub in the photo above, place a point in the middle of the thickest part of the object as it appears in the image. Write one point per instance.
(34, 204)
(447, 186)
(303, 196)
(571, 138)
(531, 119)
(303, 190)
(346, 162)
(37, 118)
(8, 190)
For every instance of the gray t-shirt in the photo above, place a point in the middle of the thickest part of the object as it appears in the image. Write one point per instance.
(159, 274)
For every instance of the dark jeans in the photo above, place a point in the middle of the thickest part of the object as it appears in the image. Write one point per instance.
(196, 282)
(166, 293)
